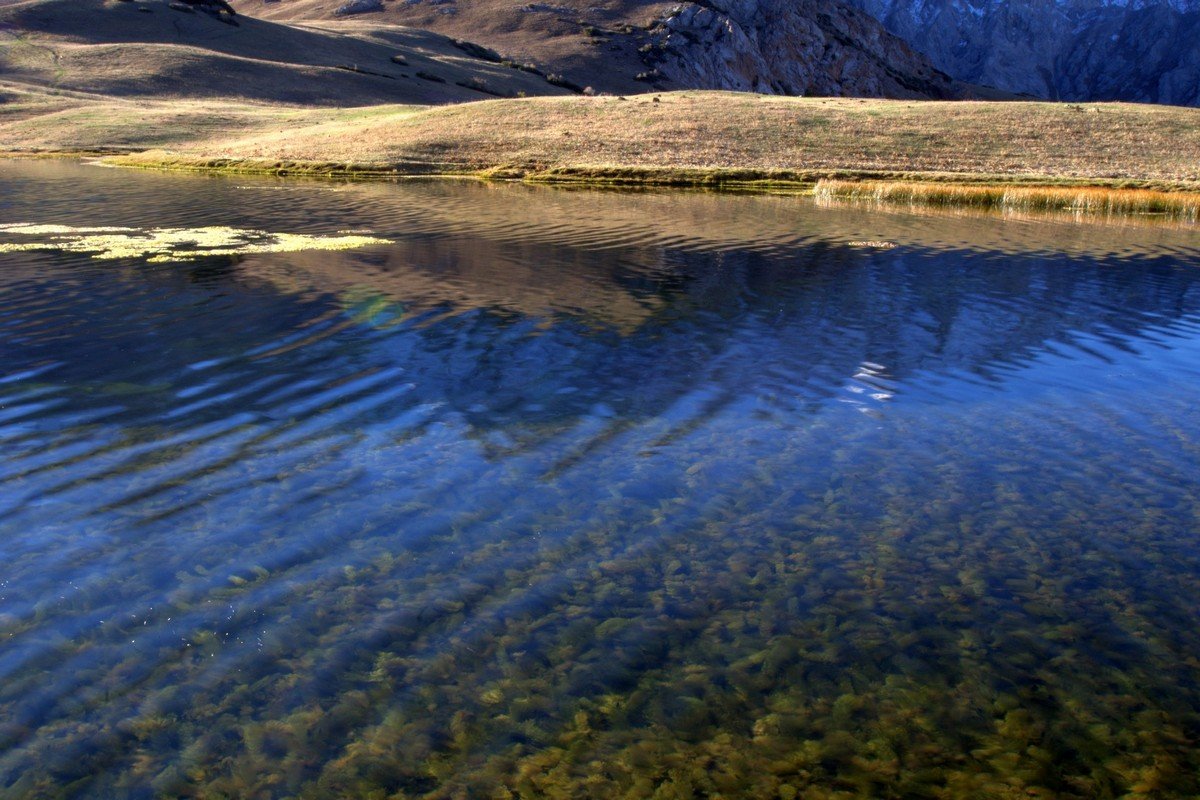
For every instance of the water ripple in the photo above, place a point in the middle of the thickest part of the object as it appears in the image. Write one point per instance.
(647, 472)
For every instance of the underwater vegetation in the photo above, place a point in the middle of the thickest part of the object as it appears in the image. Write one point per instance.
(944, 628)
(820, 520)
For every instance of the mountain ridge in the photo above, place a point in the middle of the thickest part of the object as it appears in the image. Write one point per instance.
(1077, 50)
(793, 47)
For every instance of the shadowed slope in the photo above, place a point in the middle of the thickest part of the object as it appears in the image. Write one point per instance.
(794, 47)
(152, 49)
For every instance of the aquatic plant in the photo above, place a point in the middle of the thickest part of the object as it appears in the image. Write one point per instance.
(1082, 199)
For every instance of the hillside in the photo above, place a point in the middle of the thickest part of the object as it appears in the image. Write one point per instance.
(701, 130)
(793, 47)
(360, 97)
(676, 137)
(1083, 50)
(157, 49)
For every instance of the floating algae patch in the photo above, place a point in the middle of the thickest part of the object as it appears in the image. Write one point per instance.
(161, 245)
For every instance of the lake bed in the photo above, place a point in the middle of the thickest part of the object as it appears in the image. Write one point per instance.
(456, 489)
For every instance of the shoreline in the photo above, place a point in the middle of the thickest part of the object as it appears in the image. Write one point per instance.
(1104, 159)
(1086, 197)
(1083, 197)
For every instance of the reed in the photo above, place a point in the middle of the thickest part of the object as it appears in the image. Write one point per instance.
(1078, 199)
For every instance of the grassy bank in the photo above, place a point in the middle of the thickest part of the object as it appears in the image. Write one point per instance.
(711, 139)
(725, 178)
(1078, 199)
(731, 131)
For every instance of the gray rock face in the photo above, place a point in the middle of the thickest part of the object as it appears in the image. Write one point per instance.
(793, 47)
(1141, 50)
(359, 7)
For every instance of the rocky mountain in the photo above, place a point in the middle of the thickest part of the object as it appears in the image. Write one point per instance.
(795, 47)
(1138, 50)
(792, 47)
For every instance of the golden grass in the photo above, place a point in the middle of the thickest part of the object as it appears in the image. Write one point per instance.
(1082, 199)
(732, 131)
(36, 121)
(704, 133)
(938, 152)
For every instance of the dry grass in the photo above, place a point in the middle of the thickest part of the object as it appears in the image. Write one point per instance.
(725, 130)
(718, 139)
(36, 121)
(117, 50)
(1088, 200)
(183, 91)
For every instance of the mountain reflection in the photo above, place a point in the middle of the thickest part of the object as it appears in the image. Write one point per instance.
(575, 478)
(537, 334)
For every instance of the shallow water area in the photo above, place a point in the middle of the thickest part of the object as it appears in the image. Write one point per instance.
(465, 490)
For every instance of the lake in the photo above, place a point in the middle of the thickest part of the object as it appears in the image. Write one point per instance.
(449, 489)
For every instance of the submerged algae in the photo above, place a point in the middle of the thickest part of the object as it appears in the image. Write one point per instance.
(874, 629)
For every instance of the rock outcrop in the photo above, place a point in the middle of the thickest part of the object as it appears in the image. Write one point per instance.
(1148, 55)
(1140, 50)
(792, 47)
(359, 7)
(218, 9)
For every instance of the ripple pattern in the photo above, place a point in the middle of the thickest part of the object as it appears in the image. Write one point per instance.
(593, 494)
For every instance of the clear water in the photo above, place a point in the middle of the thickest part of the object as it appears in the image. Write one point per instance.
(578, 494)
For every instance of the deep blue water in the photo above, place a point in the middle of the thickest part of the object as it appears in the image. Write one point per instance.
(583, 494)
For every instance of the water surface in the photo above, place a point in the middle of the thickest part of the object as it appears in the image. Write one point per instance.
(585, 494)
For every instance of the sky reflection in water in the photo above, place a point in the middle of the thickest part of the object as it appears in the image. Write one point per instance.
(591, 494)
